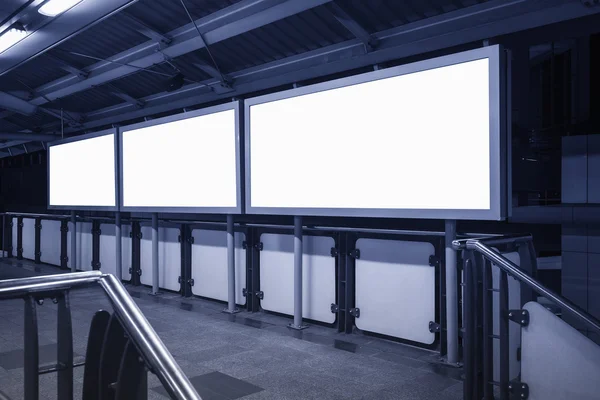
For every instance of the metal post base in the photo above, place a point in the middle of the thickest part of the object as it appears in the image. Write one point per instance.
(228, 311)
(297, 328)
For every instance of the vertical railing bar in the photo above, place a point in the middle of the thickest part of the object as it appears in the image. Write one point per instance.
(468, 359)
(64, 348)
(488, 366)
(478, 325)
(504, 337)
(31, 351)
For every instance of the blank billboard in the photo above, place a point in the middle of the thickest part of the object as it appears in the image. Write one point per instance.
(81, 173)
(184, 163)
(417, 141)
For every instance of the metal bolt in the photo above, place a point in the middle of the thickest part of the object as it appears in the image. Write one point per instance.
(510, 314)
(40, 301)
(522, 395)
(524, 313)
(523, 321)
(55, 300)
(510, 387)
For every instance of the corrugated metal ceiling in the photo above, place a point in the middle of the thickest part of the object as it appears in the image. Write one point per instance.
(303, 32)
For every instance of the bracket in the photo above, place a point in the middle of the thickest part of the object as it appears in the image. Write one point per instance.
(521, 317)
(38, 254)
(355, 312)
(244, 246)
(259, 246)
(334, 252)
(260, 294)
(354, 254)
(434, 327)
(64, 229)
(244, 290)
(96, 265)
(334, 308)
(520, 390)
(434, 261)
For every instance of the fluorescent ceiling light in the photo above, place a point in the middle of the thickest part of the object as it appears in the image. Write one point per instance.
(10, 38)
(54, 7)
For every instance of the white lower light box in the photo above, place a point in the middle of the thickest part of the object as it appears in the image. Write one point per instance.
(29, 238)
(50, 237)
(108, 250)
(514, 330)
(209, 265)
(395, 288)
(83, 246)
(318, 276)
(169, 257)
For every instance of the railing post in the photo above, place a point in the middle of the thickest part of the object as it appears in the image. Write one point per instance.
(31, 351)
(298, 250)
(64, 353)
(231, 305)
(451, 294)
(64, 230)
(504, 337)
(96, 232)
(6, 252)
(252, 269)
(488, 330)
(186, 260)
(469, 329)
(38, 239)
(118, 246)
(155, 270)
(19, 238)
(136, 236)
(74, 242)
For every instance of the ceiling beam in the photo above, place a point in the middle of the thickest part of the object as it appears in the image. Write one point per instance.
(16, 104)
(221, 25)
(146, 30)
(352, 25)
(115, 91)
(65, 66)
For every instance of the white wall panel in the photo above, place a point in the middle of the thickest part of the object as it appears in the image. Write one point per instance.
(395, 288)
(318, 276)
(83, 245)
(514, 330)
(209, 265)
(15, 221)
(169, 257)
(29, 238)
(50, 242)
(108, 250)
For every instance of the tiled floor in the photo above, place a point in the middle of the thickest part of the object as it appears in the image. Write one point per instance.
(242, 356)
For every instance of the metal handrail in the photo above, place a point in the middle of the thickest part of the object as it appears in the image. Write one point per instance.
(135, 324)
(481, 246)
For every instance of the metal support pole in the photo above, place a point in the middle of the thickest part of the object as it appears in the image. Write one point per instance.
(118, 246)
(469, 330)
(74, 242)
(451, 294)
(504, 332)
(31, 352)
(154, 253)
(231, 308)
(297, 275)
(488, 330)
(4, 236)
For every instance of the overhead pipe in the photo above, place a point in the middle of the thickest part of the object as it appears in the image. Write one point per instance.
(13, 103)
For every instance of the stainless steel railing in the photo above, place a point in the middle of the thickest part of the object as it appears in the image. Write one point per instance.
(478, 324)
(155, 354)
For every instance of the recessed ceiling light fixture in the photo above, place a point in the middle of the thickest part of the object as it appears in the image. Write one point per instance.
(10, 38)
(52, 8)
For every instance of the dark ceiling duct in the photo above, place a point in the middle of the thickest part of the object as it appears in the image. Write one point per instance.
(28, 136)
(15, 104)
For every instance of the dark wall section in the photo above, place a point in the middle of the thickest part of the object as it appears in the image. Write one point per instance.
(23, 185)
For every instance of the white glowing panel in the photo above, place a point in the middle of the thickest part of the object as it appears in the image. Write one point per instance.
(29, 238)
(50, 242)
(82, 173)
(15, 234)
(108, 250)
(209, 265)
(83, 250)
(395, 275)
(381, 143)
(318, 276)
(197, 167)
(169, 257)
